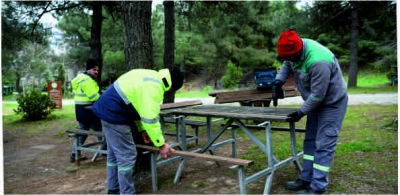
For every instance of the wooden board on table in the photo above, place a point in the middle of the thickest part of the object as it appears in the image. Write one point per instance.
(203, 156)
(249, 95)
(181, 104)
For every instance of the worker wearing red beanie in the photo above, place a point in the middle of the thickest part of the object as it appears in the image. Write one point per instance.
(319, 79)
(289, 43)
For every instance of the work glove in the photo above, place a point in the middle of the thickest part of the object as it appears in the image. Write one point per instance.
(295, 116)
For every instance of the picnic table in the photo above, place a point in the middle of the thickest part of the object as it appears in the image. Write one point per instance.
(179, 114)
(234, 116)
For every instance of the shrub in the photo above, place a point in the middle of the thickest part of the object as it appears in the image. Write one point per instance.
(232, 76)
(34, 106)
(207, 89)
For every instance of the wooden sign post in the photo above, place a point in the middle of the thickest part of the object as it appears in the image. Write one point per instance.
(55, 92)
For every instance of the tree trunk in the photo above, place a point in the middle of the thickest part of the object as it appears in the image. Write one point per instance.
(169, 43)
(353, 70)
(39, 82)
(95, 37)
(138, 47)
(17, 84)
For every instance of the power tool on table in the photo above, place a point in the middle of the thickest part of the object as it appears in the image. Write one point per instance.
(277, 93)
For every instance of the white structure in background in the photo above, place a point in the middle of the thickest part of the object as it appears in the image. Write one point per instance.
(57, 41)
(56, 38)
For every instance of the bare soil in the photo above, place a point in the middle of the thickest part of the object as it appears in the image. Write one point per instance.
(40, 165)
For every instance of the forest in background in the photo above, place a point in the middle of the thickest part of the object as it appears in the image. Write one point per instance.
(207, 37)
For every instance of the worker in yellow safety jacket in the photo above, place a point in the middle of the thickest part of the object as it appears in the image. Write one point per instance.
(86, 92)
(134, 96)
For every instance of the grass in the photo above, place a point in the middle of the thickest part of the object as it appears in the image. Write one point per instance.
(59, 121)
(367, 147)
(367, 152)
(368, 78)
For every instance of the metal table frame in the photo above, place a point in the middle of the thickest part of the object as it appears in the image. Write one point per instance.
(234, 116)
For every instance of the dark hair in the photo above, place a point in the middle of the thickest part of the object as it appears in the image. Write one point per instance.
(177, 77)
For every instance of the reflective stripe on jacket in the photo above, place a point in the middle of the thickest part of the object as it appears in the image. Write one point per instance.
(86, 90)
(144, 89)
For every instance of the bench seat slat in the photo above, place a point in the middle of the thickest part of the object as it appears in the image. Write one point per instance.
(187, 122)
(263, 128)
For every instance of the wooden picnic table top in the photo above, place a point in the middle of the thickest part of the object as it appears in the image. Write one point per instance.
(236, 112)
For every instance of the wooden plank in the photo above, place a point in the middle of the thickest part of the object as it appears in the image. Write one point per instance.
(228, 160)
(181, 104)
(237, 112)
(236, 115)
(251, 91)
(187, 121)
(251, 96)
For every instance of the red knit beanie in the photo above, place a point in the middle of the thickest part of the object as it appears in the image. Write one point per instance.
(289, 43)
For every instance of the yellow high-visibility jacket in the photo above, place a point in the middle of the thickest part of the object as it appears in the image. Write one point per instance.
(145, 90)
(86, 90)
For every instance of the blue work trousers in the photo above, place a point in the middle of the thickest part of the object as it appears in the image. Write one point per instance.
(86, 127)
(121, 157)
(322, 131)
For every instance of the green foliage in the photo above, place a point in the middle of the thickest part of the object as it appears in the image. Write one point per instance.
(331, 26)
(34, 106)
(207, 89)
(232, 76)
(60, 73)
(75, 25)
(113, 65)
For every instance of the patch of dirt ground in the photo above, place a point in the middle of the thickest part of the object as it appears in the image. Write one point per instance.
(40, 164)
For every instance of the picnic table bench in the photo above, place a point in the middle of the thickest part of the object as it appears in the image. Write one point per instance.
(89, 146)
(195, 124)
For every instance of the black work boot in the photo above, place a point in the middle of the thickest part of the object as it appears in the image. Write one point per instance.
(113, 191)
(310, 191)
(72, 158)
(298, 185)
